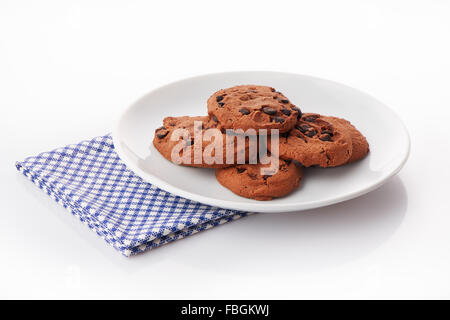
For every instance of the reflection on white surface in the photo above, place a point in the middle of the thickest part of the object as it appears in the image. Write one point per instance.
(305, 241)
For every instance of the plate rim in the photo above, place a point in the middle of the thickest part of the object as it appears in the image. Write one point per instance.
(260, 206)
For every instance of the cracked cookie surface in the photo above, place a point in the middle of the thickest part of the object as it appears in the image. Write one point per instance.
(360, 146)
(164, 144)
(253, 107)
(247, 181)
(317, 140)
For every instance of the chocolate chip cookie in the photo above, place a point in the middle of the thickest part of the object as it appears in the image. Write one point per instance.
(186, 147)
(253, 107)
(360, 146)
(247, 181)
(317, 140)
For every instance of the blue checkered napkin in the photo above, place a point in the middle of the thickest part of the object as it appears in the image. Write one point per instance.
(90, 181)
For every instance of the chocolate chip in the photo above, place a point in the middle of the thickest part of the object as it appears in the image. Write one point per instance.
(162, 133)
(325, 137)
(240, 170)
(189, 142)
(269, 111)
(286, 112)
(298, 164)
(302, 128)
(284, 101)
(244, 111)
(215, 119)
(265, 177)
(221, 104)
(301, 137)
(252, 176)
(327, 131)
(311, 133)
(278, 119)
(219, 98)
(310, 118)
(299, 115)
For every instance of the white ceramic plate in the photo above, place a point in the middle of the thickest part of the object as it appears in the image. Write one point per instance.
(387, 136)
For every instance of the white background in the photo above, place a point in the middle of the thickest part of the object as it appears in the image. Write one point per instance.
(67, 68)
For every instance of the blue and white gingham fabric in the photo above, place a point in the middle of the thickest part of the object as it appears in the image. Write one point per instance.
(90, 181)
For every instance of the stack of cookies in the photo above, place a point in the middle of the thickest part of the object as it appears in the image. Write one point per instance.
(305, 140)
